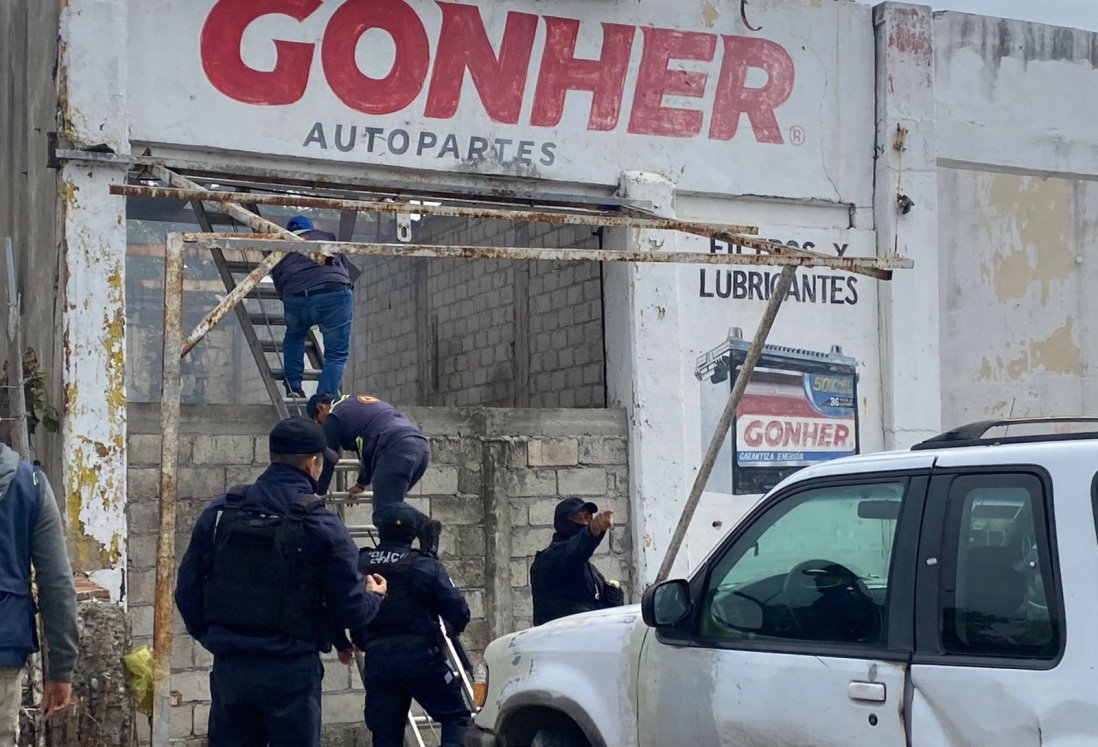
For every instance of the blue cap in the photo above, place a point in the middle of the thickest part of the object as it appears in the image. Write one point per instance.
(299, 223)
(397, 521)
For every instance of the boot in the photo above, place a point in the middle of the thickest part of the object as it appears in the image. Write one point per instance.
(428, 536)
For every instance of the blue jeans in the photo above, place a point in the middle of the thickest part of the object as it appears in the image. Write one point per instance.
(332, 312)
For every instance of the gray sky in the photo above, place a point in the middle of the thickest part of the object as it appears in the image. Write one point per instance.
(1078, 13)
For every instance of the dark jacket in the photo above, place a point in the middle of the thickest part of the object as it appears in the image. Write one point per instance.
(327, 547)
(297, 272)
(31, 534)
(562, 579)
(365, 425)
(420, 591)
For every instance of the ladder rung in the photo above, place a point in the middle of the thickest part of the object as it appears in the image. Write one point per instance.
(267, 320)
(347, 464)
(240, 268)
(265, 292)
(311, 374)
(275, 346)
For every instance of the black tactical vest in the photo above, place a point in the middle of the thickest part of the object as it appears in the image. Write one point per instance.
(408, 606)
(257, 580)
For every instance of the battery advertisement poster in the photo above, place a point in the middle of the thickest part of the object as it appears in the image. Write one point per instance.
(812, 396)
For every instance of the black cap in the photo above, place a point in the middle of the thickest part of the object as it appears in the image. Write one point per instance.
(317, 399)
(569, 507)
(397, 520)
(298, 435)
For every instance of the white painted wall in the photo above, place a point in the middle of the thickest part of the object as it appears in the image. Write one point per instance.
(1018, 153)
(93, 108)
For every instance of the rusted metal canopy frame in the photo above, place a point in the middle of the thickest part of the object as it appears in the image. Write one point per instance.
(744, 236)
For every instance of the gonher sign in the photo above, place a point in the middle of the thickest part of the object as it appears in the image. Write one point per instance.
(579, 93)
(500, 76)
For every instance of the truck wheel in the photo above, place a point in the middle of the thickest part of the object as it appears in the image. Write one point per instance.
(558, 736)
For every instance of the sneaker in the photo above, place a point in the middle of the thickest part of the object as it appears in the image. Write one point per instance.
(295, 392)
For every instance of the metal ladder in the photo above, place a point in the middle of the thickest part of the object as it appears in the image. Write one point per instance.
(262, 324)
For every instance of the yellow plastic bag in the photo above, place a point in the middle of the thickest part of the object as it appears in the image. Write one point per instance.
(142, 667)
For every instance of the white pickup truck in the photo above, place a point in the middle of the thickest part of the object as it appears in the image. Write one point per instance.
(945, 596)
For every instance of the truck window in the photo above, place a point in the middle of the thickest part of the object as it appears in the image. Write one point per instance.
(997, 569)
(815, 567)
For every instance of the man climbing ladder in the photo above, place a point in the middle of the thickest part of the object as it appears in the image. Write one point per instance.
(393, 452)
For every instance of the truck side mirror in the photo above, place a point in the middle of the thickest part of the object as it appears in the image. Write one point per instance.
(666, 605)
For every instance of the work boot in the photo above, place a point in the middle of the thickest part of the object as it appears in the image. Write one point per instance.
(428, 536)
(295, 392)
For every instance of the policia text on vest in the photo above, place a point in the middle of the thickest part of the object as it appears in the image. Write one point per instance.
(269, 579)
(404, 648)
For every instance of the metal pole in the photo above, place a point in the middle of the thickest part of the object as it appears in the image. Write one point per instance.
(779, 293)
(169, 454)
(20, 439)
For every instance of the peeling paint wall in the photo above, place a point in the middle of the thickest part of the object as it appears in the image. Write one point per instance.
(1016, 286)
(92, 107)
(1017, 224)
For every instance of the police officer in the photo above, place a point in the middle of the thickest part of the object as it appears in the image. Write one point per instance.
(563, 581)
(403, 644)
(392, 451)
(268, 573)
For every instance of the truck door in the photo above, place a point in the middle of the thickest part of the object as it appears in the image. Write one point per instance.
(800, 629)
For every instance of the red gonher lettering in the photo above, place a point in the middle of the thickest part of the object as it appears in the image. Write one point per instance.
(463, 45)
(794, 434)
(561, 72)
(413, 55)
(226, 70)
(654, 81)
(734, 98)
(502, 78)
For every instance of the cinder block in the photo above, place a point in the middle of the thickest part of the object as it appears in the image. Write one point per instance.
(242, 475)
(236, 450)
(582, 481)
(458, 511)
(140, 586)
(142, 551)
(530, 482)
(475, 598)
(142, 517)
(143, 449)
(438, 480)
(526, 541)
(540, 511)
(182, 652)
(142, 483)
(520, 573)
(192, 685)
(603, 450)
(553, 452)
(201, 720)
(182, 720)
(201, 482)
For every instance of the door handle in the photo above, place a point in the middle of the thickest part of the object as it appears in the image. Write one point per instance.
(873, 692)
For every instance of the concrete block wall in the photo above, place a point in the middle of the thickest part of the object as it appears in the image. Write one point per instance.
(495, 476)
(483, 332)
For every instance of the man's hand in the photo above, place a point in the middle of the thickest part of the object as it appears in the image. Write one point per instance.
(356, 489)
(600, 522)
(377, 584)
(346, 657)
(56, 697)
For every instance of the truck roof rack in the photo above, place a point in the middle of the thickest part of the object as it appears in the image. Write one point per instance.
(974, 434)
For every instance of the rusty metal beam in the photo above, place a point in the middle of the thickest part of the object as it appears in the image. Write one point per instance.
(596, 219)
(723, 425)
(169, 457)
(794, 257)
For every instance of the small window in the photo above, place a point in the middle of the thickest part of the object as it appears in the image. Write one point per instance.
(997, 584)
(815, 567)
